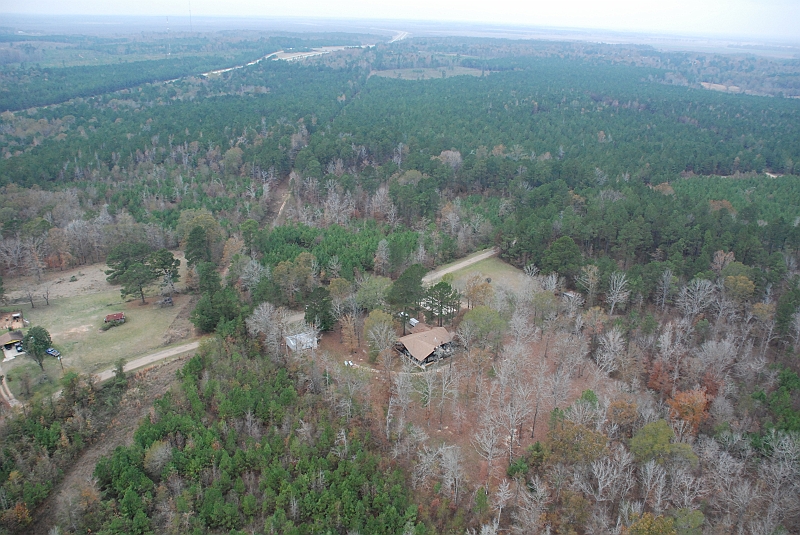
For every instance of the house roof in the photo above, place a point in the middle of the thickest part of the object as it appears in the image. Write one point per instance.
(420, 345)
(116, 317)
(298, 342)
(10, 337)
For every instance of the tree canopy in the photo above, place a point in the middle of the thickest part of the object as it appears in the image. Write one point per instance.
(36, 342)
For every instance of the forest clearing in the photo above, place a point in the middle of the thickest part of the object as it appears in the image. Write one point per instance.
(73, 314)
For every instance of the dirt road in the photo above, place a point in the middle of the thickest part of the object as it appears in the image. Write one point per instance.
(6, 395)
(474, 259)
(141, 362)
(399, 36)
(150, 359)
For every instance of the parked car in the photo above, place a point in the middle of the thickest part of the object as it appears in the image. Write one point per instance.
(19, 349)
(53, 352)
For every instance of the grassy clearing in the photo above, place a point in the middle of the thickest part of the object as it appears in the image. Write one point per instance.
(494, 268)
(427, 74)
(24, 377)
(74, 318)
(74, 325)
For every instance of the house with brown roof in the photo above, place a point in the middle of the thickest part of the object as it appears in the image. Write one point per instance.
(118, 317)
(426, 347)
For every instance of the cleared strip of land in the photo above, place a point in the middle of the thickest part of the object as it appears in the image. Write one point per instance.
(468, 261)
(428, 74)
(152, 358)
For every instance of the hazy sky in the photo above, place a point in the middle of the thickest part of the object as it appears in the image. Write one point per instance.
(744, 18)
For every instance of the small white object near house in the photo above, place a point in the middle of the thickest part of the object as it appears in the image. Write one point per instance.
(302, 341)
(413, 322)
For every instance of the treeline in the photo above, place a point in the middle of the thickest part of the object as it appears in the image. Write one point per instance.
(41, 87)
(33, 86)
(739, 67)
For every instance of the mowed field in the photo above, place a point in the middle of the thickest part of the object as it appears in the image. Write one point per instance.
(74, 317)
(501, 273)
(427, 74)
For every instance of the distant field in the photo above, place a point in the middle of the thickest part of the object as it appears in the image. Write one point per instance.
(427, 74)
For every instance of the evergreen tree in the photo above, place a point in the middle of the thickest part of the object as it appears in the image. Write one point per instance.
(441, 302)
(205, 315)
(209, 280)
(562, 257)
(165, 264)
(122, 257)
(319, 310)
(197, 247)
(407, 292)
(136, 278)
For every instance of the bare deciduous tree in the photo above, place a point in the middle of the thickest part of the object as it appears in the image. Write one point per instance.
(334, 267)
(695, 297)
(558, 385)
(531, 504)
(425, 467)
(721, 261)
(653, 480)
(521, 327)
(453, 474)
(612, 345)
(46, 292)
(686, 488)
(618, 292)
(252, 273)
(664, 288)
(269, 322)
(13, 254)
(381, 336)
(589, 279)
(501, 498)
(573, 302)
(447, 390)
(487, 440)
(795, 328)
(425, 386)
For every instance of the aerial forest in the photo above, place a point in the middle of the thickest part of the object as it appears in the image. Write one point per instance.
(638, 376)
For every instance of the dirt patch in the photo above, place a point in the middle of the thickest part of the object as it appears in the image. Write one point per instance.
(72, 282)
(87, 279)
(137, 402)
(71, 332)
(181, 328)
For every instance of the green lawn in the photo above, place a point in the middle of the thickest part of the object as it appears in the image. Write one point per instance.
(24, 376)
(74, 325)
(494, 268)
